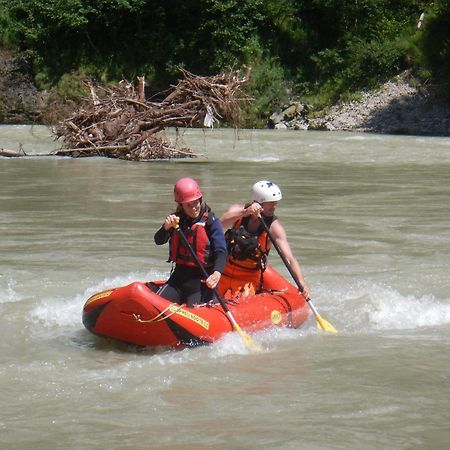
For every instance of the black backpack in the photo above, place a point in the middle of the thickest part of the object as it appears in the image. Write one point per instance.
(243, 245)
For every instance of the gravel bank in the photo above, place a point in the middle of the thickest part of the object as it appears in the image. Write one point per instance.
(397, 107)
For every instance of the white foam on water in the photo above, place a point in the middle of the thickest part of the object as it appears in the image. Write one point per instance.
(230, 344)
(369, 306)
(63, 312)
(259, 158)
(393, 311)
(365, 307)
(8, 291)
(267, 340)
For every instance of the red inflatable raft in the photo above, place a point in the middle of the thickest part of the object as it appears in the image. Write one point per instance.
(136, 315)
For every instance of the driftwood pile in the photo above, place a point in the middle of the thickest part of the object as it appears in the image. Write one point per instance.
(118, 122)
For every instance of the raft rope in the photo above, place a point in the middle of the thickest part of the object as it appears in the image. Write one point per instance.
(157, 318)
(161, 316)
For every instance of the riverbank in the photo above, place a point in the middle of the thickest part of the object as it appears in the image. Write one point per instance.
(399, 106)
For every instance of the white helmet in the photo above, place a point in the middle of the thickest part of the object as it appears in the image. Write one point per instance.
(265, 191)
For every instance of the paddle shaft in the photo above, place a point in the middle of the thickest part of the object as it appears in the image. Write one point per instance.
(246, 338)
(204, 272)
(322, 323)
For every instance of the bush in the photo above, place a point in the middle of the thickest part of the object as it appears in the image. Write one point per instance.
(269, 89)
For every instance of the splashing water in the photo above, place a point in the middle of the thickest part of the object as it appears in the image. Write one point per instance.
(370, 306)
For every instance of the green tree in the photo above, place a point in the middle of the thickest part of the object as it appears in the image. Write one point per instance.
(434, 41)
(318, 48)
(115, 38)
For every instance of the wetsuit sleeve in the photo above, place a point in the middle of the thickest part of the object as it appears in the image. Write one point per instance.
(162, 236)
(218, 245)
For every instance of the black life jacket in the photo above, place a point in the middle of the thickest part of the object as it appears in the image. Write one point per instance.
(245, 249)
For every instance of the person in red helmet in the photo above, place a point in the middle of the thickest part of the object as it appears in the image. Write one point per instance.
(204, 232)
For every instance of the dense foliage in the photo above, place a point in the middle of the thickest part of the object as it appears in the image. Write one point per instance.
(435, 42)
(318, 49)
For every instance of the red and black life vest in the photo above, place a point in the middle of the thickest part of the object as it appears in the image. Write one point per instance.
(245, 249)
(198, 239)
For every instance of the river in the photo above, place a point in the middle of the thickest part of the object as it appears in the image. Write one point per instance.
(368, 218)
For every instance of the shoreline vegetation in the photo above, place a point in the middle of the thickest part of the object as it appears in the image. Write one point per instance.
(399, 106)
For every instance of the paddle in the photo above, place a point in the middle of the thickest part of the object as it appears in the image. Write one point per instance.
(321, 323)
(248, 341)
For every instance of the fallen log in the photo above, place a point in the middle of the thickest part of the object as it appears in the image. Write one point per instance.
(20, 154)
(95, 151)
(12, 153)
(88, 149)
(147, 150)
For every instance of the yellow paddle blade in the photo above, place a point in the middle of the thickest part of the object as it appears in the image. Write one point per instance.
(250, 343)
(322, 323)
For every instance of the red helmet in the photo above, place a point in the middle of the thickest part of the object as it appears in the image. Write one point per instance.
(186, 190)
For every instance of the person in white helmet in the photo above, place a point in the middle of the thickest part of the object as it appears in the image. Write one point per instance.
(248, 242)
